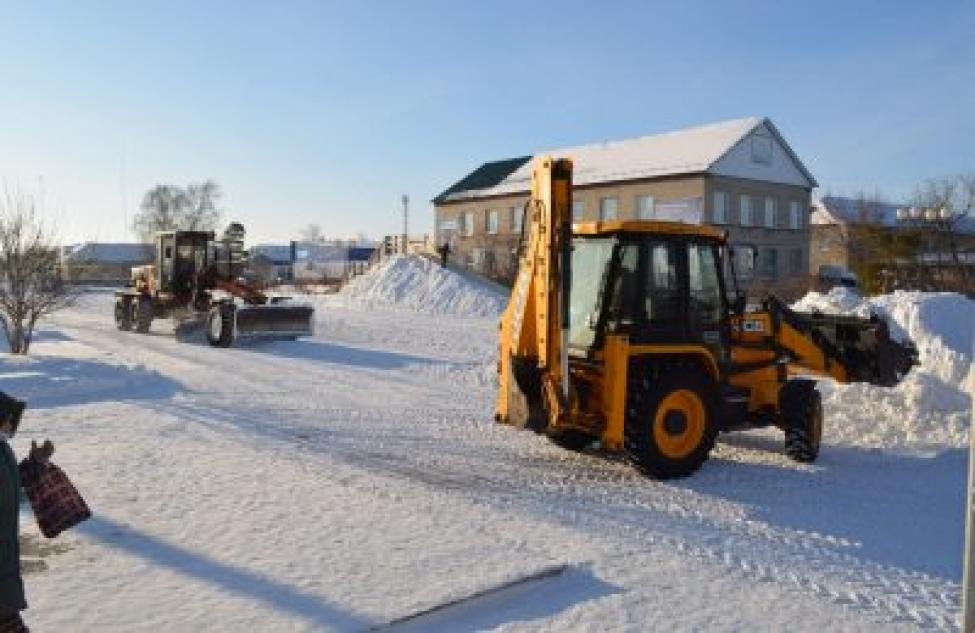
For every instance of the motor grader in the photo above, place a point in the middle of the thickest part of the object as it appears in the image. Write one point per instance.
(197, 281)
(634, 334)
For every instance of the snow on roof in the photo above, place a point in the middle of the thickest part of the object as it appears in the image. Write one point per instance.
(842, 210)
(110, 253)
(690, 150)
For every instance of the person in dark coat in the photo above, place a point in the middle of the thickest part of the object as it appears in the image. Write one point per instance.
(11, 584)
(444, 253)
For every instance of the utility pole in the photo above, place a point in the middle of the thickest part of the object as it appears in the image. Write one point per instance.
(406, 222)
(968, 583)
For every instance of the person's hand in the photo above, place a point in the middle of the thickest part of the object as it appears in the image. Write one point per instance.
(41, 454)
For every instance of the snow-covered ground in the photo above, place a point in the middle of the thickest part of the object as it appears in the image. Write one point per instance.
(355, 479)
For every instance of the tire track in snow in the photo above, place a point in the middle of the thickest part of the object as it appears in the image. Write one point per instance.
(603, 503)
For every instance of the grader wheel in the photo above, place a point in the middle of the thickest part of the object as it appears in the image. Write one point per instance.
(123, 313)
(142, 314)
(220, 326)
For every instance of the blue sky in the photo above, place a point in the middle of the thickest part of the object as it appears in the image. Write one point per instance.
(328, 112)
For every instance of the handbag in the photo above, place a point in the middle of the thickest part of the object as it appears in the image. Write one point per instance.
(57, 504)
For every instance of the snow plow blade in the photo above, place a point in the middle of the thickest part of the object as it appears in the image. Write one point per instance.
(863, 345)
(274, 321)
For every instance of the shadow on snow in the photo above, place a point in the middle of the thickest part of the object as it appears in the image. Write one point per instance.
(242, 582)
(895, 509)
(48, 381)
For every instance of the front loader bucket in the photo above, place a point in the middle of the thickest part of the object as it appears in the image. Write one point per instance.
(862, 345)
(275, 321)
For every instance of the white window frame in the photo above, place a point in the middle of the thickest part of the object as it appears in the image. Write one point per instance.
(719, 207)
(745, 210)
(795, 219)
(769, 212)
(516, 219)
(643, 205)
(492, 221)
(578, 210)
(604, 208)
(468, 224)
(746, 260)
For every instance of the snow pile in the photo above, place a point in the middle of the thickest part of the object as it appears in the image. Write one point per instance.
(931, 406)
(418, 284)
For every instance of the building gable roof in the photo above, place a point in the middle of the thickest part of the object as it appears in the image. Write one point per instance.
(485, 177)
(687, 151)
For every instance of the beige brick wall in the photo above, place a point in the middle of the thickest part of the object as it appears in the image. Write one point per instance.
(792, 246)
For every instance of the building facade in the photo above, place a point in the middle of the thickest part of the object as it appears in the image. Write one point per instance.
(104, 263)
(739, 174)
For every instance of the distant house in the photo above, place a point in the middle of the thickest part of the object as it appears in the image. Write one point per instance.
(272, 262)
(100, 262)
(740, 175)
(326, 260)
(887, 245)
(330, 260)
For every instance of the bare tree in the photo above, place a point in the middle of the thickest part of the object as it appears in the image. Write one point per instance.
(949, 244)
(202, 213)
(312, 233)
(31, 285)
(168, 207)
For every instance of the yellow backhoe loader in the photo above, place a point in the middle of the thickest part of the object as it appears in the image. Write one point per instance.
(629, 333)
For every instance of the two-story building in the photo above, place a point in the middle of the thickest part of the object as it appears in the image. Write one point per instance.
(739, 174)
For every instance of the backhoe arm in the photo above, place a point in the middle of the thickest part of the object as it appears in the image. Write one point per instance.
(535, 324)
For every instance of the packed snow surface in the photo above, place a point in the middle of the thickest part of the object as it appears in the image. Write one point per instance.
(418, 284)
(930, 407)
(356, 479)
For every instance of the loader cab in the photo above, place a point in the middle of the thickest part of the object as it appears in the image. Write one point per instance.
(180, 255)
(657, 282)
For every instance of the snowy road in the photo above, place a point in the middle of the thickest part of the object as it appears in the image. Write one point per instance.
(355, 479)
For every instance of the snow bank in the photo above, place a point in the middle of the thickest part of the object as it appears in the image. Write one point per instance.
(418, 284)
(930, 407)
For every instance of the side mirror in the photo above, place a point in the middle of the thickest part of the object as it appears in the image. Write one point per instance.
(739, 304)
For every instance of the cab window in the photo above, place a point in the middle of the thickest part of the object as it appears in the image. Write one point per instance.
(703, 283)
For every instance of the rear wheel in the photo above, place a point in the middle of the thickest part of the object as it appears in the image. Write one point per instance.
(220, 326)
(801, 408)
(123, 313)
(142, 314)
(670, 428)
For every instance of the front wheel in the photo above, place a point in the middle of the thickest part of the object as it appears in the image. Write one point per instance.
(220, 326)
(801, 409)
(123, 313)
(142, 314)
(670, 430)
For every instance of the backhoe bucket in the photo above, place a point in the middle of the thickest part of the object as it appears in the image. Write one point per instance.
(275, 321)
(862, 345)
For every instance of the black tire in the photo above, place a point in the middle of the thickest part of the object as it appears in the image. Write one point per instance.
(123, 313)
(801, 409)
(670, 428)
(220, 326)
(142, 314)
(572, 439)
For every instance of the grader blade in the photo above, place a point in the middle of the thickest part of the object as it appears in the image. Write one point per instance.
(275, 321)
